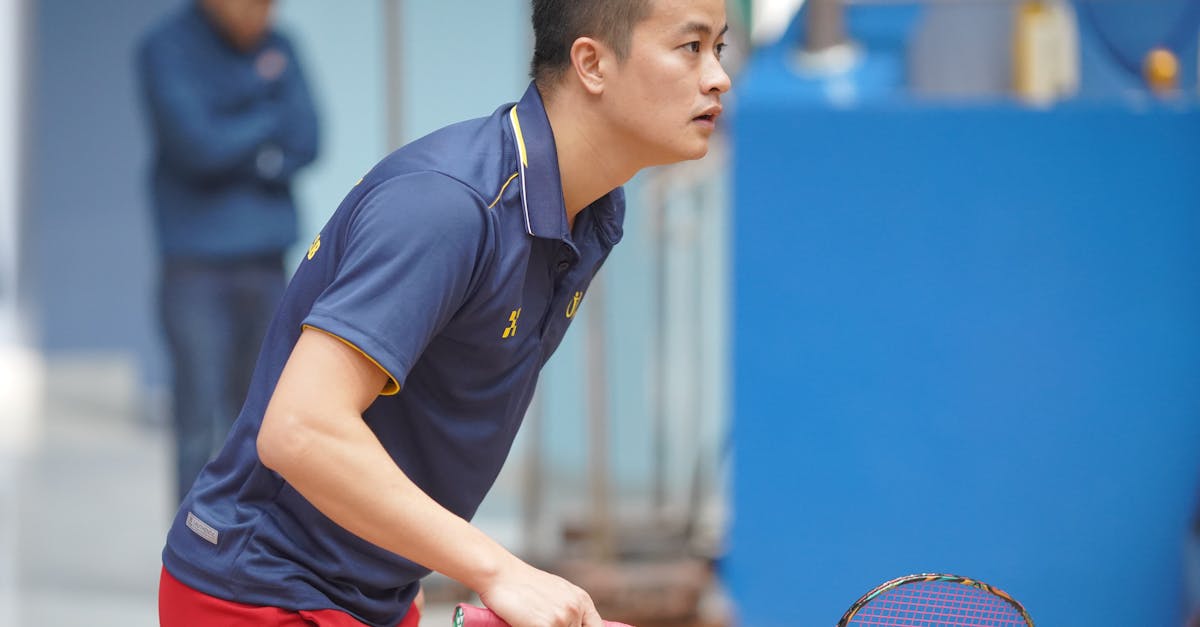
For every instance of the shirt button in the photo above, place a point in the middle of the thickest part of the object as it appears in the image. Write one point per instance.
(563, 265)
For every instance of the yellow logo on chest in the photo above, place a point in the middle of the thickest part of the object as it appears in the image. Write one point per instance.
(573, 306)
(512, 324)
(316, 245)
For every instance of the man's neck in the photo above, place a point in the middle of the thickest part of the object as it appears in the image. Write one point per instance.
(588, 161)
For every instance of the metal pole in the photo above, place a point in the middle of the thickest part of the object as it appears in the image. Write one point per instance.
(393, 12)
(603, 543)
(658, 372)
(824, 26)
(532, 500)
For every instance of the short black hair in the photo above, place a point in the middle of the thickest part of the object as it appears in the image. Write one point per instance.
(558, 23)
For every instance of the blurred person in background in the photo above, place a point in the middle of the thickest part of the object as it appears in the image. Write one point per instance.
(401, 362)
(232, 121)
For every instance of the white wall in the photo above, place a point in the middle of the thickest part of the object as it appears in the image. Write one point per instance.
(19, 366)
(340, 46)
(19, 362)
(10, 91)
(461, 60)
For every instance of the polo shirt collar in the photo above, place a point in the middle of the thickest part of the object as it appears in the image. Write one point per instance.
(541, 183)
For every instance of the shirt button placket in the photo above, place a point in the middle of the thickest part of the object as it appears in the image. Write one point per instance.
(564, 258)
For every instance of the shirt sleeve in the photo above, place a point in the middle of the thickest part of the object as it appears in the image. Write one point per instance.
(411, 251)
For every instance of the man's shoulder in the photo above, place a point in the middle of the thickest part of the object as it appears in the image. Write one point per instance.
(473, 154)
(390, 203)
(395, 184)
(413, 211)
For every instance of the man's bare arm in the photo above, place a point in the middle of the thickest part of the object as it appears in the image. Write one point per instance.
(314, 436)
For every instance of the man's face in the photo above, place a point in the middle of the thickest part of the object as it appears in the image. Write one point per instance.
(664, 99)
(244, 22)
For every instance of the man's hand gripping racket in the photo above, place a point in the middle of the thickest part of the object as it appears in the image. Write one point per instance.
(471, 616)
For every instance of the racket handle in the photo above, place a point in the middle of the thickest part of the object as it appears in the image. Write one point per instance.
(471, 616)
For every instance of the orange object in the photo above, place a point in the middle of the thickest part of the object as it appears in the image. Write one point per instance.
(1161, 70)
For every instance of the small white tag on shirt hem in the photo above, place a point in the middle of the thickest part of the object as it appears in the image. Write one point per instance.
(201, 528)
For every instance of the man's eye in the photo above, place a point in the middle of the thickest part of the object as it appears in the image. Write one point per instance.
(720, 50)
(693, 46)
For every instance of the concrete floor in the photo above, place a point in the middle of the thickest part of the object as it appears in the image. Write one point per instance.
(88, 507)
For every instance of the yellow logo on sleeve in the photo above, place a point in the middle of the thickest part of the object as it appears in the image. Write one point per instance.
(512, 324)
(573, 306)
(316, 245)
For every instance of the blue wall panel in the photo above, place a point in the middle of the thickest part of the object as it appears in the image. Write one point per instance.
(87, 220)
(966, 340)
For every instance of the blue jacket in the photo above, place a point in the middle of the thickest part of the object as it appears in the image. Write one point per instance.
(227, 140)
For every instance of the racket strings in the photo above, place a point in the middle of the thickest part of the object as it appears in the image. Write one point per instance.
(938, 604)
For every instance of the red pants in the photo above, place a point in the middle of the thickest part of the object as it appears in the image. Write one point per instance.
(181, 606)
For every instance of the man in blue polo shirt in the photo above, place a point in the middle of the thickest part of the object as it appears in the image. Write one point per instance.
(396, 374)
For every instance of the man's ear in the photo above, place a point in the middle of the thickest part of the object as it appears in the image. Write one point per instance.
(589, 61)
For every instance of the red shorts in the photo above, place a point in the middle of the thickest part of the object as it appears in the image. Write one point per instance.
(181, 606)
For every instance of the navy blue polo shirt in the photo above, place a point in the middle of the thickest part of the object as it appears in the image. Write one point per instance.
(451, 266)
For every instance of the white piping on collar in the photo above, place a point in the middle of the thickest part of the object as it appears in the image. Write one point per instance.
(516, 126)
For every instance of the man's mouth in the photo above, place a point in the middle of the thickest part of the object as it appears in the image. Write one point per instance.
(709, 115)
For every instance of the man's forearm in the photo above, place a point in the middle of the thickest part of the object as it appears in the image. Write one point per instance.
(339, 465)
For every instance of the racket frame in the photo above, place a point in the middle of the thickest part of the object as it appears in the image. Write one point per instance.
(931, 577)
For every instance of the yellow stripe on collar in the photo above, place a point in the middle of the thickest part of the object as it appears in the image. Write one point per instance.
(512, 114)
